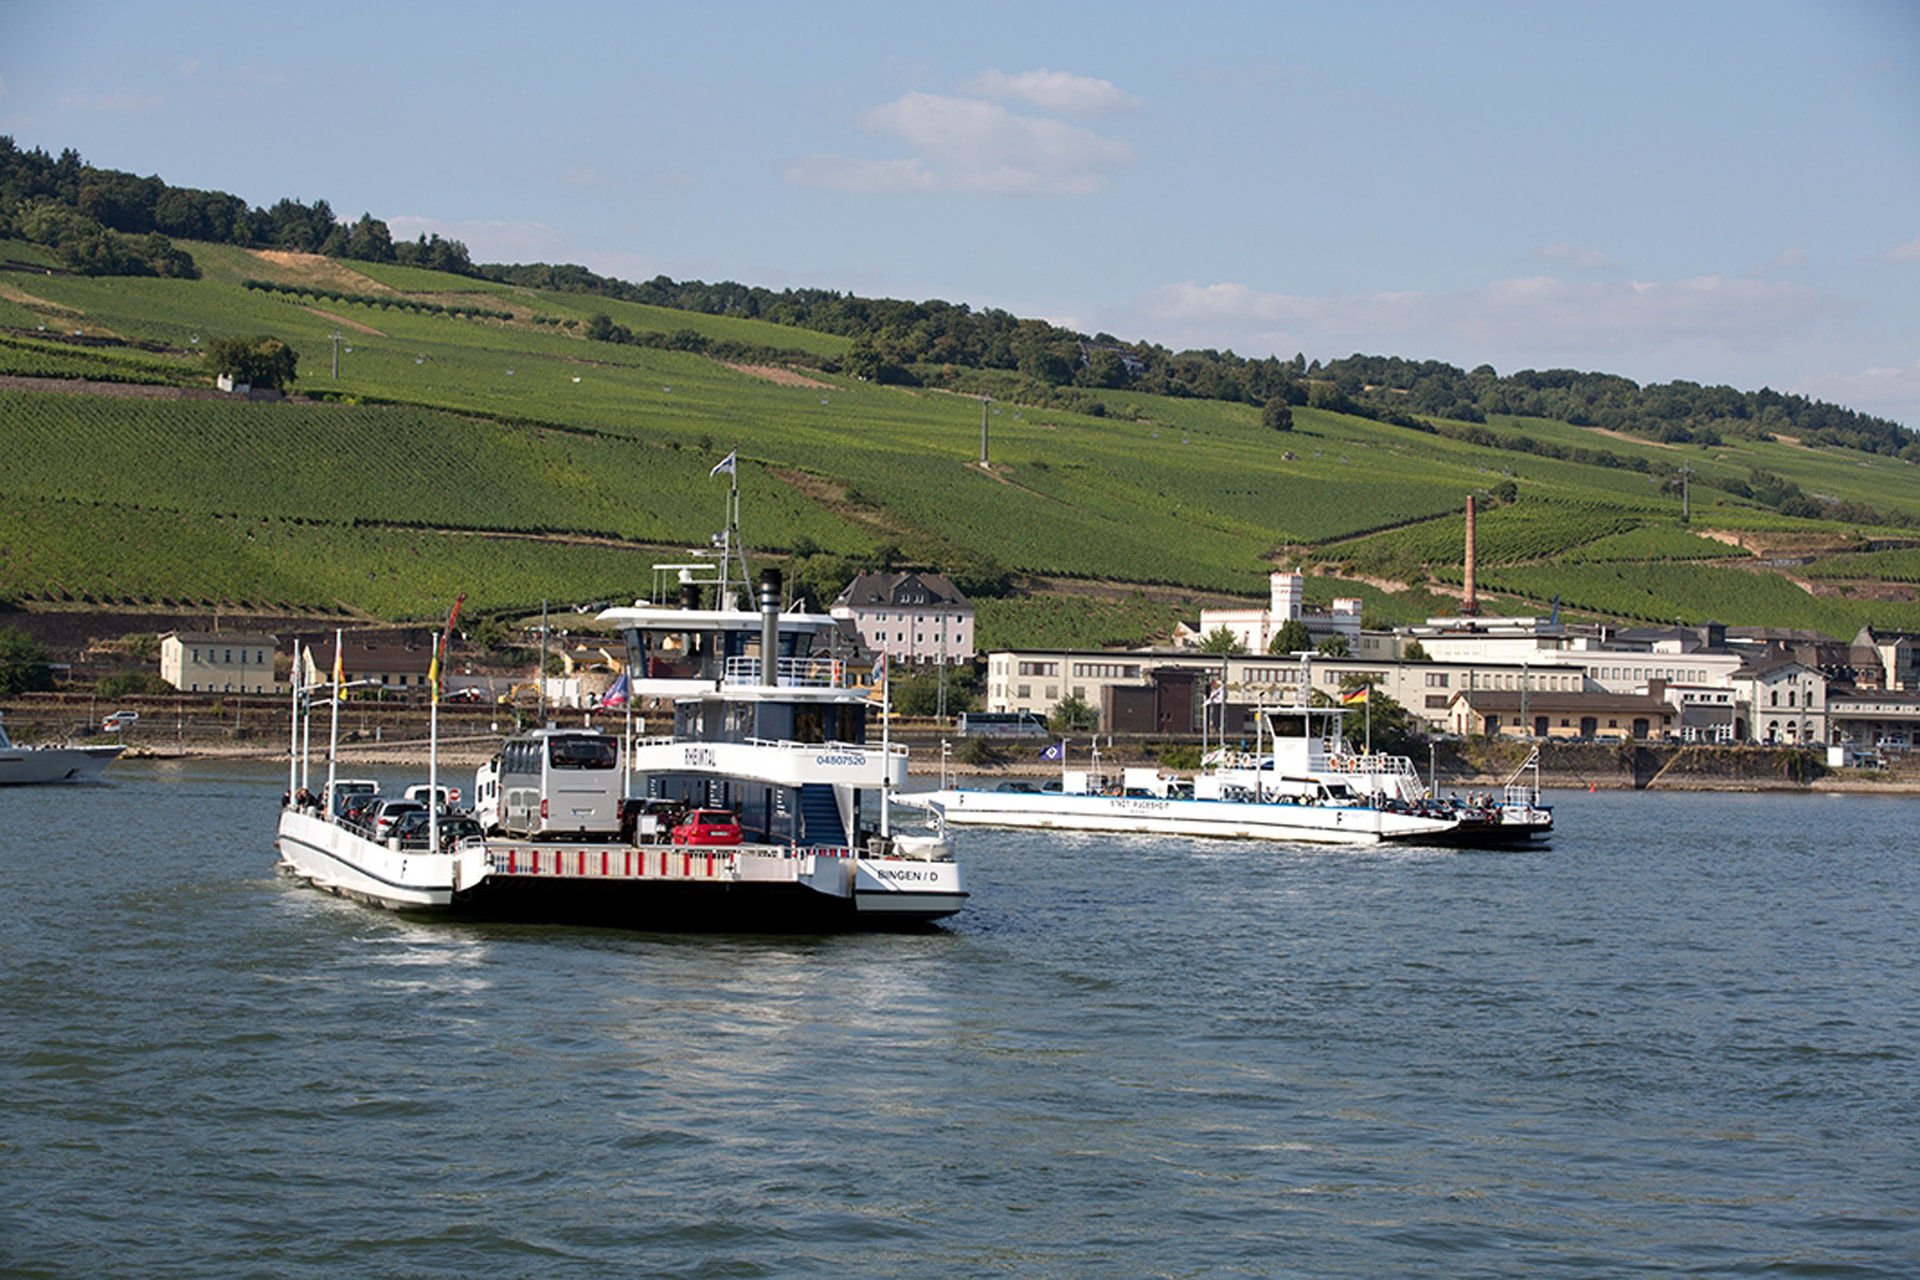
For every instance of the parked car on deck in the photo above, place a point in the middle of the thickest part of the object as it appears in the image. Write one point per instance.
(388, 812)
(708, 826)
(356, 807)
(410, 829)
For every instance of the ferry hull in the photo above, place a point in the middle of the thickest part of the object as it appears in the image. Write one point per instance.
(339, 860)
(43, 766)
(1222, 819)
(665, 887)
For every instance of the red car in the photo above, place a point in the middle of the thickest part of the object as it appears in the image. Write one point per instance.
(708, 826)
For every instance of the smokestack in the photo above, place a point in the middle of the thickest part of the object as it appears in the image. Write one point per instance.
(770, 627)
(1471, 604)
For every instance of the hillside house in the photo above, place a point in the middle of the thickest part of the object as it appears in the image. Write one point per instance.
(392, 663)
(1886, 660)
(218, 662)
(915, 618)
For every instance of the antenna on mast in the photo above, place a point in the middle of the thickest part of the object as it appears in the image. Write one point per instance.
(731, 544)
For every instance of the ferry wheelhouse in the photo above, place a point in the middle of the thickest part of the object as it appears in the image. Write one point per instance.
(768, 721)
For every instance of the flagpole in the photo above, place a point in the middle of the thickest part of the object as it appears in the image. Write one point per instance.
(441, 644)
(306, 723)
(433, 747)
(333, 734)
(1204, 706)
(886, 746)
(626, 744)
(293, 727)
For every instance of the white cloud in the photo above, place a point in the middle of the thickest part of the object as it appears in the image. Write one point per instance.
(1579, 255)
(1058, 91)
(840, 173)
(114, 103)
(965, 144)
(1908, 252)
(1884, 392)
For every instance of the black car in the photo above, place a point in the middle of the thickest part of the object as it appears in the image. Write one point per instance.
(410, 829)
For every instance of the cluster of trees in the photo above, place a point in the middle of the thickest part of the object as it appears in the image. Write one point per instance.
(23, 664)
(62, 201)
(1678, 412)
(260, 361)
(88, 248)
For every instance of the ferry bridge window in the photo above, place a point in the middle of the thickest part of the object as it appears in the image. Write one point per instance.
(582, 753)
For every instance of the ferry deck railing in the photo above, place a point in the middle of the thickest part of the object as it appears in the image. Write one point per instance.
(789, 673)
(893, 749)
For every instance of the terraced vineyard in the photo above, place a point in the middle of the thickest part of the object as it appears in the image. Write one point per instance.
(501, 453)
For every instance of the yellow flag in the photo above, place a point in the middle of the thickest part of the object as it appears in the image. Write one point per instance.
(433, 669)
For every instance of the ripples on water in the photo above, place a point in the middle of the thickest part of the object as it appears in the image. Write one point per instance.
(1681, 1041)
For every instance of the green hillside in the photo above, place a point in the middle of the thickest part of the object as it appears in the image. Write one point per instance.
(475, 439)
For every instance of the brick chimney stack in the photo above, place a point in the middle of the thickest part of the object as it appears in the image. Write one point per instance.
(1471, 604)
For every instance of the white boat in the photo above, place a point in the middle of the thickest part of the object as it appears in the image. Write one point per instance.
(23, 765)
(781, 741)
(1303, 787)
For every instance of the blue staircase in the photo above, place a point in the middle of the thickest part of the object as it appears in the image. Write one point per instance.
(820, 816)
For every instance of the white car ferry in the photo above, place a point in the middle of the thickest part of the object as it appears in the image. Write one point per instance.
(768, 727)
(1303, 787)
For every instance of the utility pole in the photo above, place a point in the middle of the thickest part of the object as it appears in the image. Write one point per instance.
(336, 355)
(984, 402)
(1686, 512)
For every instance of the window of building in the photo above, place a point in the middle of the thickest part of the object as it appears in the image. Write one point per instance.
(1436, 679)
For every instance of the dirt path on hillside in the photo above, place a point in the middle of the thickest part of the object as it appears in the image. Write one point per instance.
(351, 324)
(313, 268)
(778, 374)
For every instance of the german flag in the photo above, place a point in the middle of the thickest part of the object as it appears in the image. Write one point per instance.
(1354, 697)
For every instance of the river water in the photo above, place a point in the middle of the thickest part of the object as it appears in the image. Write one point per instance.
(1682, 1040)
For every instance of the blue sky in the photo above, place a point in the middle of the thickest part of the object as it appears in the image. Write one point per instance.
(1724, 192)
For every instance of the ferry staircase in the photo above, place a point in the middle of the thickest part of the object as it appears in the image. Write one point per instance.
(820, 816)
